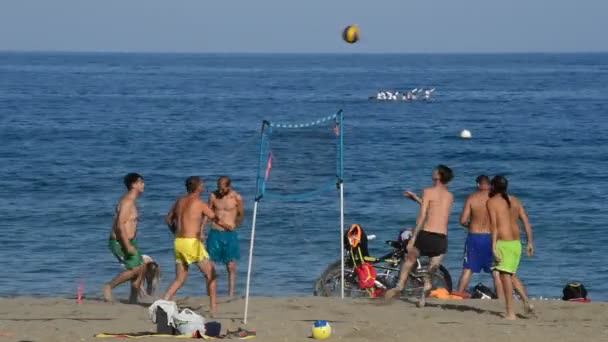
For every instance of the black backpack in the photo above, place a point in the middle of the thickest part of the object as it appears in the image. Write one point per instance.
(480, 291)
(574, 291)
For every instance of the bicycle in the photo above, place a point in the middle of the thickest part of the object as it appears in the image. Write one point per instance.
(388, 268)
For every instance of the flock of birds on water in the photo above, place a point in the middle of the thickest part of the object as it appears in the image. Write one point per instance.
(412, 95)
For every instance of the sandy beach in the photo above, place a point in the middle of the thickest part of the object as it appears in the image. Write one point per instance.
(290, 319)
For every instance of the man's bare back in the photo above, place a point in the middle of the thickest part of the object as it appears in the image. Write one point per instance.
(476, 207)
(184, 219)
(439, 201)
(188, 214)
(505, 218)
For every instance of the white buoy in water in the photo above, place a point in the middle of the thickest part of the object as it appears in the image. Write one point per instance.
(465, 134)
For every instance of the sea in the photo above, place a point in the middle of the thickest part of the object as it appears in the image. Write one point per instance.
(73, 124)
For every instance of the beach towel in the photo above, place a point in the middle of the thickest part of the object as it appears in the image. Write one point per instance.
(144, 335)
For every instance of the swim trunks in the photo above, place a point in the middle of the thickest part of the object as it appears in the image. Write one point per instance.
(509, 253)
(223, 246)
(478, 254)
(431, 244)
(129, 261)
(189, 250)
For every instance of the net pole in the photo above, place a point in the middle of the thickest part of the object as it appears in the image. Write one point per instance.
(339, 118)
(259, 194)
(255, 214)
(342, 239)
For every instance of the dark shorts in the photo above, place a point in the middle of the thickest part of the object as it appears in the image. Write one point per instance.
(478, 254)
(431, 244)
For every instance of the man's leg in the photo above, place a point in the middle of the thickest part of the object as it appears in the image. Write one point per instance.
(498, 288)
(406, 267)
(231, 268)
(433, 266)
(463, 282)
(119, 279)
(208, 269)
(521, 291)
(181, 273)
(507, 284)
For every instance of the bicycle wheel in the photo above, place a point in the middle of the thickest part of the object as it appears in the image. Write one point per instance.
(328, 285)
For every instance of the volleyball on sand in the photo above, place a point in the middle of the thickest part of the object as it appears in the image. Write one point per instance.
(321, 330)
(351, 34)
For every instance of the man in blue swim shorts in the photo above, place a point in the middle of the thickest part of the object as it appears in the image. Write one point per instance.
(223, 242)
(478, 254)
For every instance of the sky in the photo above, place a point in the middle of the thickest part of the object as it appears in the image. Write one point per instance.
(308, 26)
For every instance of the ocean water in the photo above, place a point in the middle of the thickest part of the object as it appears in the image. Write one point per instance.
(72, 125)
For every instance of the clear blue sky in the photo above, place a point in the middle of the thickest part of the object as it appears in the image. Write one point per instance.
(304, 25)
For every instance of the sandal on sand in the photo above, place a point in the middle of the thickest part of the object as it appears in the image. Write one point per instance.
(240, 334)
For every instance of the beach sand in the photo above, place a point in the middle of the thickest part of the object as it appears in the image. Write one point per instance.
(290, 319)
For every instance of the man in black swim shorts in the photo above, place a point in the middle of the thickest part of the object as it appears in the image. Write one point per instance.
(431, 240)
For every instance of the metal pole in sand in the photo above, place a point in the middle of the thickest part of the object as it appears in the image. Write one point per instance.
(255, 213)
(342, 239)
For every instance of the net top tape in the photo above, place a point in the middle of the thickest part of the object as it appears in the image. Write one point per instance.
(303, 125)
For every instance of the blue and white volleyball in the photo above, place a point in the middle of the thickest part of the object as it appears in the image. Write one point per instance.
(321, 330)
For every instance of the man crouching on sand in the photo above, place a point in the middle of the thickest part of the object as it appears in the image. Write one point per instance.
(184, 220)
(505, 211)
(432, 240)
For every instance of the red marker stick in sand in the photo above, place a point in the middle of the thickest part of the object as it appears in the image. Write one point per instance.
(79, 293)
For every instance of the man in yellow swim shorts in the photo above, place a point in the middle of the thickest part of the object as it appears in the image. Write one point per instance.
(505, 210)
(184, 220)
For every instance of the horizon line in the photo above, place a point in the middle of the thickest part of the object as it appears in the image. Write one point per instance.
(480, 52)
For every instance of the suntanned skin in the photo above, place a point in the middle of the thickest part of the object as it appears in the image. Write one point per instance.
(228, 206)
(505, 226)
(124, 228)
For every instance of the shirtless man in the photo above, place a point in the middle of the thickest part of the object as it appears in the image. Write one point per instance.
(505, 211)
(431, 240)
(478, 246)
(223, 243)
(184, 220)
(122, 242)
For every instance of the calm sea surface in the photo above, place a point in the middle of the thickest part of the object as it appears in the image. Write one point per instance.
(72, 125)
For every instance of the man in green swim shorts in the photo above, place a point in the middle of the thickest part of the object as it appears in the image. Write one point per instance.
(122, 242)
(505, 210)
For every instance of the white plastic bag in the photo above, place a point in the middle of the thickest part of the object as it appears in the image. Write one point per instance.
(187, 322)
(168, 306)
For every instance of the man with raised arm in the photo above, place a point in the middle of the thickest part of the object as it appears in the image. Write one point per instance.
(431, 239)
